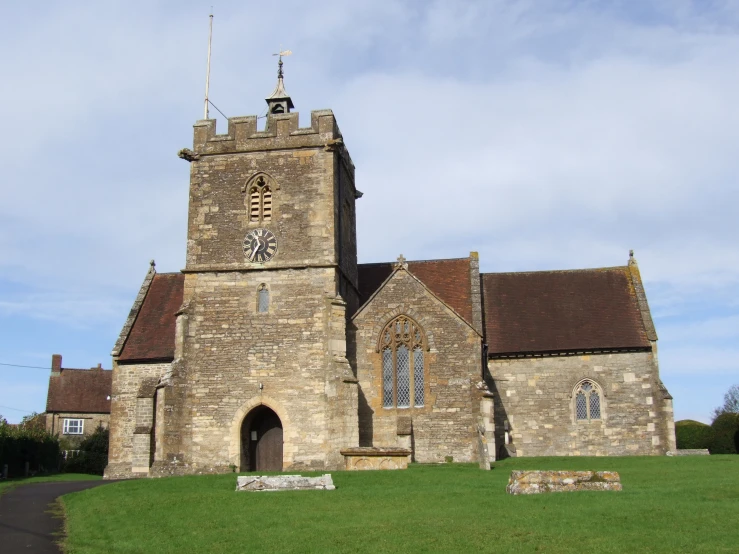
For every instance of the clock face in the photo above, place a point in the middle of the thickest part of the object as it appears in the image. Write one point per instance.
(260, 245)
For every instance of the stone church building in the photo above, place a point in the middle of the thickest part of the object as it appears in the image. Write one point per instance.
(273, 349)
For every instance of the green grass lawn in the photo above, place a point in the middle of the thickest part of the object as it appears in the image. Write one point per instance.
(9, 484)
(669, 504)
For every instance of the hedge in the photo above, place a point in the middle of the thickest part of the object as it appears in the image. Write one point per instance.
(93, 454)
(693, 434)
(725, 434)
(19, 445)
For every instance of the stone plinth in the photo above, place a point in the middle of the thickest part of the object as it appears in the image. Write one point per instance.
(367, 457)
(535, 482)
(284, 483)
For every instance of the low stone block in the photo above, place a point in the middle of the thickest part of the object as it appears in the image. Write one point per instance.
(689, 452)
(284, 483)
(535, 482)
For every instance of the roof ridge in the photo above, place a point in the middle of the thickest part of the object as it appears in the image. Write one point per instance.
(584, 269)
(419, 261)
(83, 369)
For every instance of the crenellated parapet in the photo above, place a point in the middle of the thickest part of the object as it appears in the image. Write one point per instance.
(281, 132)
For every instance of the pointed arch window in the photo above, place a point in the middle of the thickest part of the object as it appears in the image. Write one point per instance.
(403, 375)
(588, 399)
(263, 299)
(260, 201)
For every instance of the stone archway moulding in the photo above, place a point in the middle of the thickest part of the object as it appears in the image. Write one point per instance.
(234, 446)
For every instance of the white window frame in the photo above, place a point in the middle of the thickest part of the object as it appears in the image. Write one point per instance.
(79, 426)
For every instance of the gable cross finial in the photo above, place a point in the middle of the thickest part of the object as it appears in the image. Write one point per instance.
(401, 263)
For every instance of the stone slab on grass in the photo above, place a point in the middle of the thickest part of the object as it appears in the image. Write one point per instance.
(689, 452)
(284, 483)
(535, 482)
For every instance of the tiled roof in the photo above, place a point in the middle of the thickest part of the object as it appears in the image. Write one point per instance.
(80, 390)
(447, 279)
(559, 311)
(153, 333)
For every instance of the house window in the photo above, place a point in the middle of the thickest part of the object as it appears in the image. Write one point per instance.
(402, 346)
(587, 401)
(260, 201)
(263, 299)
(73, 426)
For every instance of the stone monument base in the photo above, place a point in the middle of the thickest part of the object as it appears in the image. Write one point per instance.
(371, 457)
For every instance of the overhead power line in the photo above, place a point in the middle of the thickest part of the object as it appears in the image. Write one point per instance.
(16, 409)
(26, 366)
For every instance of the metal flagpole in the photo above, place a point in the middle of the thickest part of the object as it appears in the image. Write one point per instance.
(207, 74)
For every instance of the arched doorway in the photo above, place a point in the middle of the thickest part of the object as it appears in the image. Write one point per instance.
(261, 441)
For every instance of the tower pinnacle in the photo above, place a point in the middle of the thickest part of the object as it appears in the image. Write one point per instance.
(279, 101)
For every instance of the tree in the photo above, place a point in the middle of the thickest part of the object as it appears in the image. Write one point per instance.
(34, 422)
(731, 402)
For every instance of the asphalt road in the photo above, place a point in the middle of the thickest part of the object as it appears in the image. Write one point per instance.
(26, 523)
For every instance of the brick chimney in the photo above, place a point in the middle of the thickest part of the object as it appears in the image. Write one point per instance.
(56, 364)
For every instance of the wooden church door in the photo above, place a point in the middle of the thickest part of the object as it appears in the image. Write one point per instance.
(266, 442)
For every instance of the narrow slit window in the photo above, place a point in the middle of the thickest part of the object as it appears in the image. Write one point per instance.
(263, 299)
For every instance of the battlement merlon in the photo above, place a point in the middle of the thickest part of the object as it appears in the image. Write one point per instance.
(281, 132)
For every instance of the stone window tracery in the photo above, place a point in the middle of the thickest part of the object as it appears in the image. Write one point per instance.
(403, 375)
(588, 399)
(260, 201)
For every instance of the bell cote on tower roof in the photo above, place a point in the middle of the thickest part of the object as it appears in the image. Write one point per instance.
(279, 101)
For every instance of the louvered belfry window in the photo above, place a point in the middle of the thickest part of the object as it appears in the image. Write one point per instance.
(260, 201)
(587, 401)
(402, 346)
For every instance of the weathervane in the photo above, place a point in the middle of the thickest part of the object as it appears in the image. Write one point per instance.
(279, 63)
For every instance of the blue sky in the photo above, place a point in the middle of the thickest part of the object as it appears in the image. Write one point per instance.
(570, 131)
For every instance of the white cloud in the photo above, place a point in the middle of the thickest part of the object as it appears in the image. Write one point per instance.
(541, 134)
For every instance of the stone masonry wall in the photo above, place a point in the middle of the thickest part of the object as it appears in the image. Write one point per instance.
(231, 348)
(535, 395)
(302, 168)
(127, 381)
(447, 424)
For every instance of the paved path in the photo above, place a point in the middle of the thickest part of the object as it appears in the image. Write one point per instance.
(25, 522)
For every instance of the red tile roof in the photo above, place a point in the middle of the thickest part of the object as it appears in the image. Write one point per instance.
(447, 279)
(559, 311)
(80, 390)
(153, 333)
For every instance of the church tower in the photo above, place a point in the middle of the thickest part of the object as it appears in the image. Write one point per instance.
(261, 379)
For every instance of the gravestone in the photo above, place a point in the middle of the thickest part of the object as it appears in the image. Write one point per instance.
(535, 482)
(284, 483)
